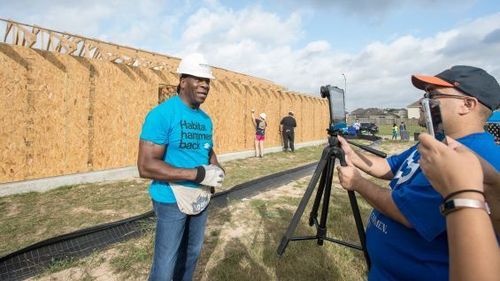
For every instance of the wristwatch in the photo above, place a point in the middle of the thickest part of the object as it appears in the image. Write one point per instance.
(460, 203)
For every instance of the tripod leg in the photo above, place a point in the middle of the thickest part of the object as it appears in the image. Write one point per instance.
(359, 226)
(355, 212)
(303, 202)
(321, 187)
(321, 233)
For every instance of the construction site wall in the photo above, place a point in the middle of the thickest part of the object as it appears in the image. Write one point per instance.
(63, 114)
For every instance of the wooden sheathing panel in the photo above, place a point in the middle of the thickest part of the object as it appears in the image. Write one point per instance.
(239, 119)
(49, 79)
(318, 128)
(141, 96)
(75, 112)
(309, 119)
(13, 113)
(296, 103)
(324, 118)
(113, 90)
(273, 136)
(225, 105)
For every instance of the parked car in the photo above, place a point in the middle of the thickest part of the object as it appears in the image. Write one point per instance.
(369, 128)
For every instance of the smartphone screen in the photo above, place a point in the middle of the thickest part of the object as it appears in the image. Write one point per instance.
(433, 119)
(337, 107)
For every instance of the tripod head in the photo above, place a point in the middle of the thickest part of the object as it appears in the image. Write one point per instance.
(338, 120)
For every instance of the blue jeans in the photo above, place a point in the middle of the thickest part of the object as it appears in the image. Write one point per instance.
(178, 242)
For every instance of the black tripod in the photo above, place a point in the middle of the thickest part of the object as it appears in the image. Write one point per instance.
(324, 173)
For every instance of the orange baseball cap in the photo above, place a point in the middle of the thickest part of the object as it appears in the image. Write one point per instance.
(423, 81)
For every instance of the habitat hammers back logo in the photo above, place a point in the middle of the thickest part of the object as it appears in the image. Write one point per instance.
(194, 136)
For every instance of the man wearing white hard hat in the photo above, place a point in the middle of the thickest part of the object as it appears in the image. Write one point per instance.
(260, 133)
(176, 152)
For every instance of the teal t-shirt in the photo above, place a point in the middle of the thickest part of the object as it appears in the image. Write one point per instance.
(187, 136)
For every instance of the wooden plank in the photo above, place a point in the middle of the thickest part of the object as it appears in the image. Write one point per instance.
(34, 36)
(7, 30)
(49, 41)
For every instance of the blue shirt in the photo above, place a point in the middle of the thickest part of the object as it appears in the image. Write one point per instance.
(187, 136)
(421, 252)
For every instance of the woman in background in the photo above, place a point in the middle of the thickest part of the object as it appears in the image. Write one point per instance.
(260, 133)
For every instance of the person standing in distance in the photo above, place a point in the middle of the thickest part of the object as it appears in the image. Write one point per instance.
(287, 127)
(357, 127)
(260, 133)
(394, 131)
(176, 152)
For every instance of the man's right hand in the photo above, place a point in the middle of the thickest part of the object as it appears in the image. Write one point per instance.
(349, 153)
(210, 175)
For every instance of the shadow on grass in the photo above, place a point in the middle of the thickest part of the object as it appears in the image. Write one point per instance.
(303, 260)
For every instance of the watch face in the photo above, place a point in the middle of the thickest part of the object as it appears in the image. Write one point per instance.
(447, 207)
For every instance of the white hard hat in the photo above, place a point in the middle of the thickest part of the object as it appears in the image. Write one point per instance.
(263, 115)
(195, 64)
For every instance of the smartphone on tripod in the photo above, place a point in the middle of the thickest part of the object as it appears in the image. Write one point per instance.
(336, 99)
(433, 118)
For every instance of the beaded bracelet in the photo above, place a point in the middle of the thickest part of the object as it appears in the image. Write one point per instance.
(462, 191)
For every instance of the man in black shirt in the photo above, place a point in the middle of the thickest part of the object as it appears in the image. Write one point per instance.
(287, 126)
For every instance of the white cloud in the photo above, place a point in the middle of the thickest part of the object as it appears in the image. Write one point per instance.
(377, 76)
(224, 26)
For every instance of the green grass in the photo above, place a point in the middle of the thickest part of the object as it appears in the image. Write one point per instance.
(386, 130)
(32, 217)
(239, 171)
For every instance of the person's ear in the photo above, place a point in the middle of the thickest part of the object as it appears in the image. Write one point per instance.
(470, 104)
(183, 82)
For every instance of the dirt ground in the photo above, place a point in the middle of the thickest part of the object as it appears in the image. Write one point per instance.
(240, 225)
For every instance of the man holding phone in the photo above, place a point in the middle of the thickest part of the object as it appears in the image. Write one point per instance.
(406, 234)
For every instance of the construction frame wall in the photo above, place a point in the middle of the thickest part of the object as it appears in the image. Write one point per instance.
(63, 114)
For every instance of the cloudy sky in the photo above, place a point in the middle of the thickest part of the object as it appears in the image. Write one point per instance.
(300, 45)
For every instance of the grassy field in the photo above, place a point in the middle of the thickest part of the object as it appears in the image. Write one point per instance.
(32, 217)
(386, 130)
(241, 239)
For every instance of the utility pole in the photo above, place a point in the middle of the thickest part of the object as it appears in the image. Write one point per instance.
(345, 83)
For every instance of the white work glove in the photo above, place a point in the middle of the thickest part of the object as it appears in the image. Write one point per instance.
(210, 175)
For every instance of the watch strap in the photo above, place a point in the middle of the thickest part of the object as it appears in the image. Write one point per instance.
(460, 203)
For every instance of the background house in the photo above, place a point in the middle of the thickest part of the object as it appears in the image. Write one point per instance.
(414, 110)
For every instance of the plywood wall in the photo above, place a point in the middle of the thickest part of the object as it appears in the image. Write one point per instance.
(63, 115)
